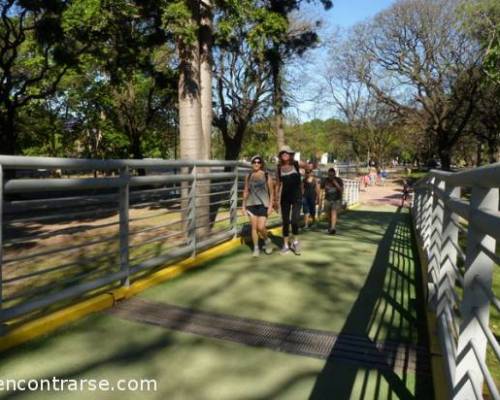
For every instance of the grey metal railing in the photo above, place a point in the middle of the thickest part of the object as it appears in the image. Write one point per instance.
(63, 238)
(457, 219)
(74, 227)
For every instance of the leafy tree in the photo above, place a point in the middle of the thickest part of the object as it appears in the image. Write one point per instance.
(286, 43)
(35, 53)
(482, 17)
(416, 58)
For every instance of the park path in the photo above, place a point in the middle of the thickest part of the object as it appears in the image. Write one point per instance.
(379, 195)
(344, 320)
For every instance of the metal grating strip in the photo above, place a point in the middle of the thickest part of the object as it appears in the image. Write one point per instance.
(391, 355)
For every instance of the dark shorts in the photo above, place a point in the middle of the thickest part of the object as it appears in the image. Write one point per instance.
(258, 211)
(309, 205)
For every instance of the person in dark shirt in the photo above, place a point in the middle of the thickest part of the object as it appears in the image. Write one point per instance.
(333, 188)
(289, 197)
(310, 198)
(406, 192)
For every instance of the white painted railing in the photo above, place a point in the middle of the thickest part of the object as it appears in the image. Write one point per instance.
(457, 219)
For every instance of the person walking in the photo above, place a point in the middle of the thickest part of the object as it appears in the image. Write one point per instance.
(289, 196)
(258, 199)
(406, 192)
(333, 187)
(310, 198)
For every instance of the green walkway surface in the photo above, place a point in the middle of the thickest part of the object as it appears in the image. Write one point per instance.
(362, 283)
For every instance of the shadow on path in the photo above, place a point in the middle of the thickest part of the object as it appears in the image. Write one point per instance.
(388, 305)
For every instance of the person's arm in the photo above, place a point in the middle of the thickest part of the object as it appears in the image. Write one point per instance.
(277, 194)
(305, 165)
(270, 184)
(341, 184)
(245, 196)
(322, 195)
(318, 191)
(338, 184)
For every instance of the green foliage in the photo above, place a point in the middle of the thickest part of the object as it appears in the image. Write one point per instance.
(482, 19)
(316, 137)
(180, 20)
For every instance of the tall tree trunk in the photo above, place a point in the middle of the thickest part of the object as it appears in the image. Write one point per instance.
(206, 63)
(479, 154)
(8, 137)
(205, 38)
(445, 157)
(190, 128)
(232, 149)
(493, 155)
(278, 102)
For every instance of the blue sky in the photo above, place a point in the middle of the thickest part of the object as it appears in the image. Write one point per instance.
(347, 12)
(344, 14)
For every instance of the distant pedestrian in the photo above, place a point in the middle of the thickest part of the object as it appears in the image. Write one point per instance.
(383, 176)
(333, 187)
(406, 192)
(310, 198)
(258, 199)
(289, 196)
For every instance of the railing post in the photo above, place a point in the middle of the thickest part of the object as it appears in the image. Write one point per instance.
(478, 272)
(124, 225)
(358, 184)
(436, 229)
(427, 216)
(417, 207)
(191, 223)
(233, 210)
(448, 274)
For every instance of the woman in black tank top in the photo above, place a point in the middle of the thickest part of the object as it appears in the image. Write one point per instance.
(289, 196)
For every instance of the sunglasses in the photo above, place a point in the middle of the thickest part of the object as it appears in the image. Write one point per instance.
(256, 162)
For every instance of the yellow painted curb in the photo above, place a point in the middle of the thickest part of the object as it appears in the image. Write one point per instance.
(353, 206)
(437, 362)
(51, 322)
(57, 319)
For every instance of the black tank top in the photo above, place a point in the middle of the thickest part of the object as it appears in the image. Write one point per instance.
(291, 181)
(310, 188)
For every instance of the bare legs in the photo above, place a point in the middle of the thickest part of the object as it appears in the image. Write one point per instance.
(258, 231)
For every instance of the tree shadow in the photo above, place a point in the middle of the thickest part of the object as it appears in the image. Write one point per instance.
(388, 307)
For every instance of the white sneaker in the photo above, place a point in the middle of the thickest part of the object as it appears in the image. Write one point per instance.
(256, 253)
(285, 250)
(268, 249)
(295, 246)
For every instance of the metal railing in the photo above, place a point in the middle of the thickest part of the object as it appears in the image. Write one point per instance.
(351, 192)
(72, 228)
(104, 223)
(457, 220)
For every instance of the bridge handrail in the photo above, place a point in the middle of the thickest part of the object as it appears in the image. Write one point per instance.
(442, 211)
(109, 201)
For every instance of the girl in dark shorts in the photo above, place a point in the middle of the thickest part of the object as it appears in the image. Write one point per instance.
(310, 198)
(258, 197)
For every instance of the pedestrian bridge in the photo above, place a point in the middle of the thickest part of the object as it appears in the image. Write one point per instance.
(388, 308)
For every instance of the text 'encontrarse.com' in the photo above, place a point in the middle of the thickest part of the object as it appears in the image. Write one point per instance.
(77, 385)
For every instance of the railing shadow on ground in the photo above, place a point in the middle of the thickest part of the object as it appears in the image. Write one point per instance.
(391, 292)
